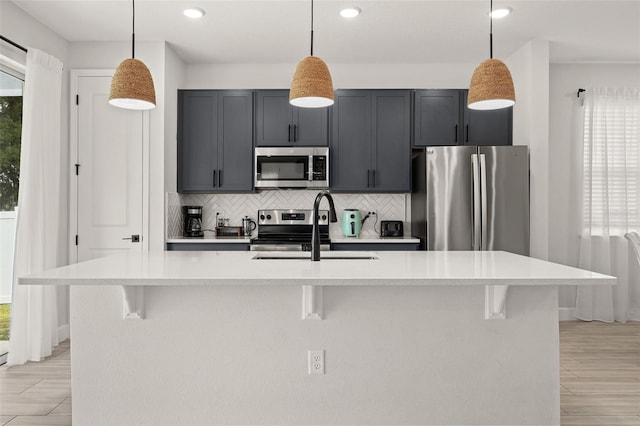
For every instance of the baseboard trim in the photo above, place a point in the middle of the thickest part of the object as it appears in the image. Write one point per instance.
(567, 314)
(63, 333)
(5, 299)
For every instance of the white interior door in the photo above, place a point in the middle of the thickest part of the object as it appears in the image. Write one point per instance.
(110, 172)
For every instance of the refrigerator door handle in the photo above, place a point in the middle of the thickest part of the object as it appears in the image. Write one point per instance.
(483, 192)
(476, 217)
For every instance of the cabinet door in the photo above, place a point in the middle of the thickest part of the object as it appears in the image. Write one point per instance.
(392, 141)
(311, 126)
(437, 115)
(351, 169)
(274, 125)
(493, 127)
(235, 141)
(197, 140)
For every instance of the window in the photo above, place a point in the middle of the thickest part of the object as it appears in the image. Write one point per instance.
(10, 134)
(611, 161)
(11, 88)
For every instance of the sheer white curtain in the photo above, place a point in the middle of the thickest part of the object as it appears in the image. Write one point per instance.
(34, 317)
(610, 203)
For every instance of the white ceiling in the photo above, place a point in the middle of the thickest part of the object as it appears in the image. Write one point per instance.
(392, 31)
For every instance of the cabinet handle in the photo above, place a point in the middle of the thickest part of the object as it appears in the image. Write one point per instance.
(466, 133)
(295, 133)
(214, 177)
(368, 178)
(455, 133)
(289, 134)
(220, 178)
(374, 178)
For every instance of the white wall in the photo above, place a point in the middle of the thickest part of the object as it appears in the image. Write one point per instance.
(26, 31)
(345, 76)
(175, 74)
(564, 81)
(529, 67)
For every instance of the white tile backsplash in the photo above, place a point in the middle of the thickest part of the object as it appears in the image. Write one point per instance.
(236, 206)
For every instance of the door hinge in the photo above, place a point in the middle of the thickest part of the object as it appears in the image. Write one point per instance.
(77, 99)
(76, 239)
(77, 169)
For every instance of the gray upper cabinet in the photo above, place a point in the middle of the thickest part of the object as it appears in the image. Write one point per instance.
(442, 118)
(370, 141)
(436, 117)
(494, 127)
(351, 144)
(278, 123)
(215, 141)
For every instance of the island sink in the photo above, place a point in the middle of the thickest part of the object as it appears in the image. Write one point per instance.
(327, 256)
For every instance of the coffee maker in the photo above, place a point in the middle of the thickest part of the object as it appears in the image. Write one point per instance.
(192, 221)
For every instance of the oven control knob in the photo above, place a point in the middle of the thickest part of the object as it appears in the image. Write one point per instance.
(268, 217)
(324, 217)
(261, 217)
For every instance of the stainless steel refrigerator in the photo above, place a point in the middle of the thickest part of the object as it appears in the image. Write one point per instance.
(471, 198)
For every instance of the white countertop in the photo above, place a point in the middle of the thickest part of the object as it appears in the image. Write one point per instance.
(183, 268)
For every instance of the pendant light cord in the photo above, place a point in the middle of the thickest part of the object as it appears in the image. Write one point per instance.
(311, 27)
(133, 29)
(491, 30)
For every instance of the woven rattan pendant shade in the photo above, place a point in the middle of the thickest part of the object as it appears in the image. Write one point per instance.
(132, 86)
(491, 86)
(311, 86)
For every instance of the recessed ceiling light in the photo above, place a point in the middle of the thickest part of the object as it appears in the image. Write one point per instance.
(193, 12)
(350, 12)
(500, 12)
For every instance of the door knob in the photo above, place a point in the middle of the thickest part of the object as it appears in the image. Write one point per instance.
(133, 238)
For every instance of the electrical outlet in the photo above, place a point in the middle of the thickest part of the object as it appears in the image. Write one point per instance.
(316, 361)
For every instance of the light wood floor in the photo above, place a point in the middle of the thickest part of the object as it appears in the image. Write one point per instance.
(37, 393)
(599, 378)
(600, 373)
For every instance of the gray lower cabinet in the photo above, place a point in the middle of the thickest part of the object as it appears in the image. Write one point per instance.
(278, 123)
(442, 118)
(371, 141)
(375, 246)
(215, 141)
(207, 246)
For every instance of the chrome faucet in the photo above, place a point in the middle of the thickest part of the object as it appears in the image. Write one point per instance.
(315, 233)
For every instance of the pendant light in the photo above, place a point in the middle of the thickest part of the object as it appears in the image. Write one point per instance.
(132, 84)
(311, 86)
(491, 84)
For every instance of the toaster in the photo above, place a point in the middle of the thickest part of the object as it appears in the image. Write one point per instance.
(391, 228)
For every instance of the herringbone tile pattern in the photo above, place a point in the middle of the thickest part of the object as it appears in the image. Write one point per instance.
(173, 215)
(236, 206)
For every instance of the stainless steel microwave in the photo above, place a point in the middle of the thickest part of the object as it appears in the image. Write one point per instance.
(298, 167)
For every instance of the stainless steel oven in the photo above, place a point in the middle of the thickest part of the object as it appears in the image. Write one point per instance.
(292, 167)
(289, 230)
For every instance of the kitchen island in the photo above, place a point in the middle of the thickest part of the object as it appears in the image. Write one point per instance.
(223, 338)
